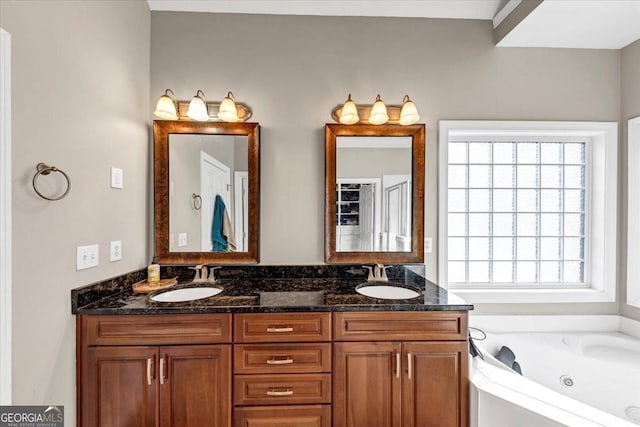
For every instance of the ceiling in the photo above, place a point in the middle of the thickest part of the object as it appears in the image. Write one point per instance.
(463, 9)
(588, 24)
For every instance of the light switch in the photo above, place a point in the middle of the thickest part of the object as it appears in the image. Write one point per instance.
(87, 256)
(116, 250)
(182, 239)
(117, 178)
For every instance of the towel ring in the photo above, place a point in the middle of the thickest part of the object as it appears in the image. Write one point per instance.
(45, 169)
(197, 201)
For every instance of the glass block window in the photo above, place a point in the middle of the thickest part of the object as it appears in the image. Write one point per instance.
(516, 212)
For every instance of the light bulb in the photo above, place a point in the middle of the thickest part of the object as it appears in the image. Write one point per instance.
(378, 113)
(349, 113)
(409, 113)
(167, 108)
(228, 111)
(198, 108)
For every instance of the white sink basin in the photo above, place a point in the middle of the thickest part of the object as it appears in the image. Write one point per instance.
(186, 294)
(386, 291)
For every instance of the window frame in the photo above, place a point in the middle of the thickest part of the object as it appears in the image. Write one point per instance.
(633, 222)
(600, 208)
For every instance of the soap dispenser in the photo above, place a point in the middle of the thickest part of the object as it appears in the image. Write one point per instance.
(153, 272)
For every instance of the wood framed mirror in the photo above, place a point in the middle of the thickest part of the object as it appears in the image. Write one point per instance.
(374, 193)
(206, 192)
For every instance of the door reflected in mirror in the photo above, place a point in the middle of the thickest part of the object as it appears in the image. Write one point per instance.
(208, 193)
(373, 194)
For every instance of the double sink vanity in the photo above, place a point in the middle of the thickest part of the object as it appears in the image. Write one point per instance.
(347, 343)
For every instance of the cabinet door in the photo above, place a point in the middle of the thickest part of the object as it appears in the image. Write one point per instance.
(435, 384)
(119, 387)
(195, 386)
(367, 384)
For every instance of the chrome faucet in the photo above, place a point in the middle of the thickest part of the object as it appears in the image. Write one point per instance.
(377, 273)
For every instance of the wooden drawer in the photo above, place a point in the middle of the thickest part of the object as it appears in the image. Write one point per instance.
(158, 329)
(276, 358)
(400, 326)
(282, 327)
(283, 416)
(281, 389)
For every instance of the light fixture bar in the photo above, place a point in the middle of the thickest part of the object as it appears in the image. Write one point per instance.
(364, 110)
(244, 112)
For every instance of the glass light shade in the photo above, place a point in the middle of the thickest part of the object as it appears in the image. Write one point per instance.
(166, 107)
(378, 113)
(349, 113)
(409, 113)
(198, 108)
(228, 111)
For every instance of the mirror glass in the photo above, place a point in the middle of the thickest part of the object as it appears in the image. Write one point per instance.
(373, 194)
(208, 193)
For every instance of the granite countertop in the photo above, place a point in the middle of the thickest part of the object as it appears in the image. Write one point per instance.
(268, 289)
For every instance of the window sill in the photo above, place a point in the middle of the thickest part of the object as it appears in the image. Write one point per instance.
(522, 296)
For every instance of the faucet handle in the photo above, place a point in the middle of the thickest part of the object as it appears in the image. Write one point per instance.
(212, 275)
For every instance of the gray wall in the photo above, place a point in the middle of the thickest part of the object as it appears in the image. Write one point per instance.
(630, 101)
(293, 70)
(80, 86)
(372, 162)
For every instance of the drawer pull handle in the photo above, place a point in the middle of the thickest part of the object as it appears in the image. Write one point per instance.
(409, 367)
(280, 393)
(278, 329)
(397, 365)
(286, 361)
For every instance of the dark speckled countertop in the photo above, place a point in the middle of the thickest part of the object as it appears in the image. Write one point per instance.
(263, 289)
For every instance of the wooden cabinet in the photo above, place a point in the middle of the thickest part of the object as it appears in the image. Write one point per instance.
(140, 386)
(391, 383)
(343, 369)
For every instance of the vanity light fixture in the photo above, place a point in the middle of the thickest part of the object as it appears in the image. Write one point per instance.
(167, 106)
(228, 111)
(349, 114)
(378, 112)
(409, 113)
(198, 107)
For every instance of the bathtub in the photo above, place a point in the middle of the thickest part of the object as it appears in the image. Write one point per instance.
(578, 371)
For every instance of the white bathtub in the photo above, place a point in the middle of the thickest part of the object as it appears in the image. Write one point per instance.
(578, 371)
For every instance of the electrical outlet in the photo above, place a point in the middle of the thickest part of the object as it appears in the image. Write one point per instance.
(116, 250)
(117, 178)
(182, 239)
(87, 256)
(428, 245)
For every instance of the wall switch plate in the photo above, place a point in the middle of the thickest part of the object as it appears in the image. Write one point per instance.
(182, 239)
(117, 178)
(116, 250)
(428, 245)
(87, 256)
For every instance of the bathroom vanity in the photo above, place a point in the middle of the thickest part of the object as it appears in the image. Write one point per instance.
(256, 355)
